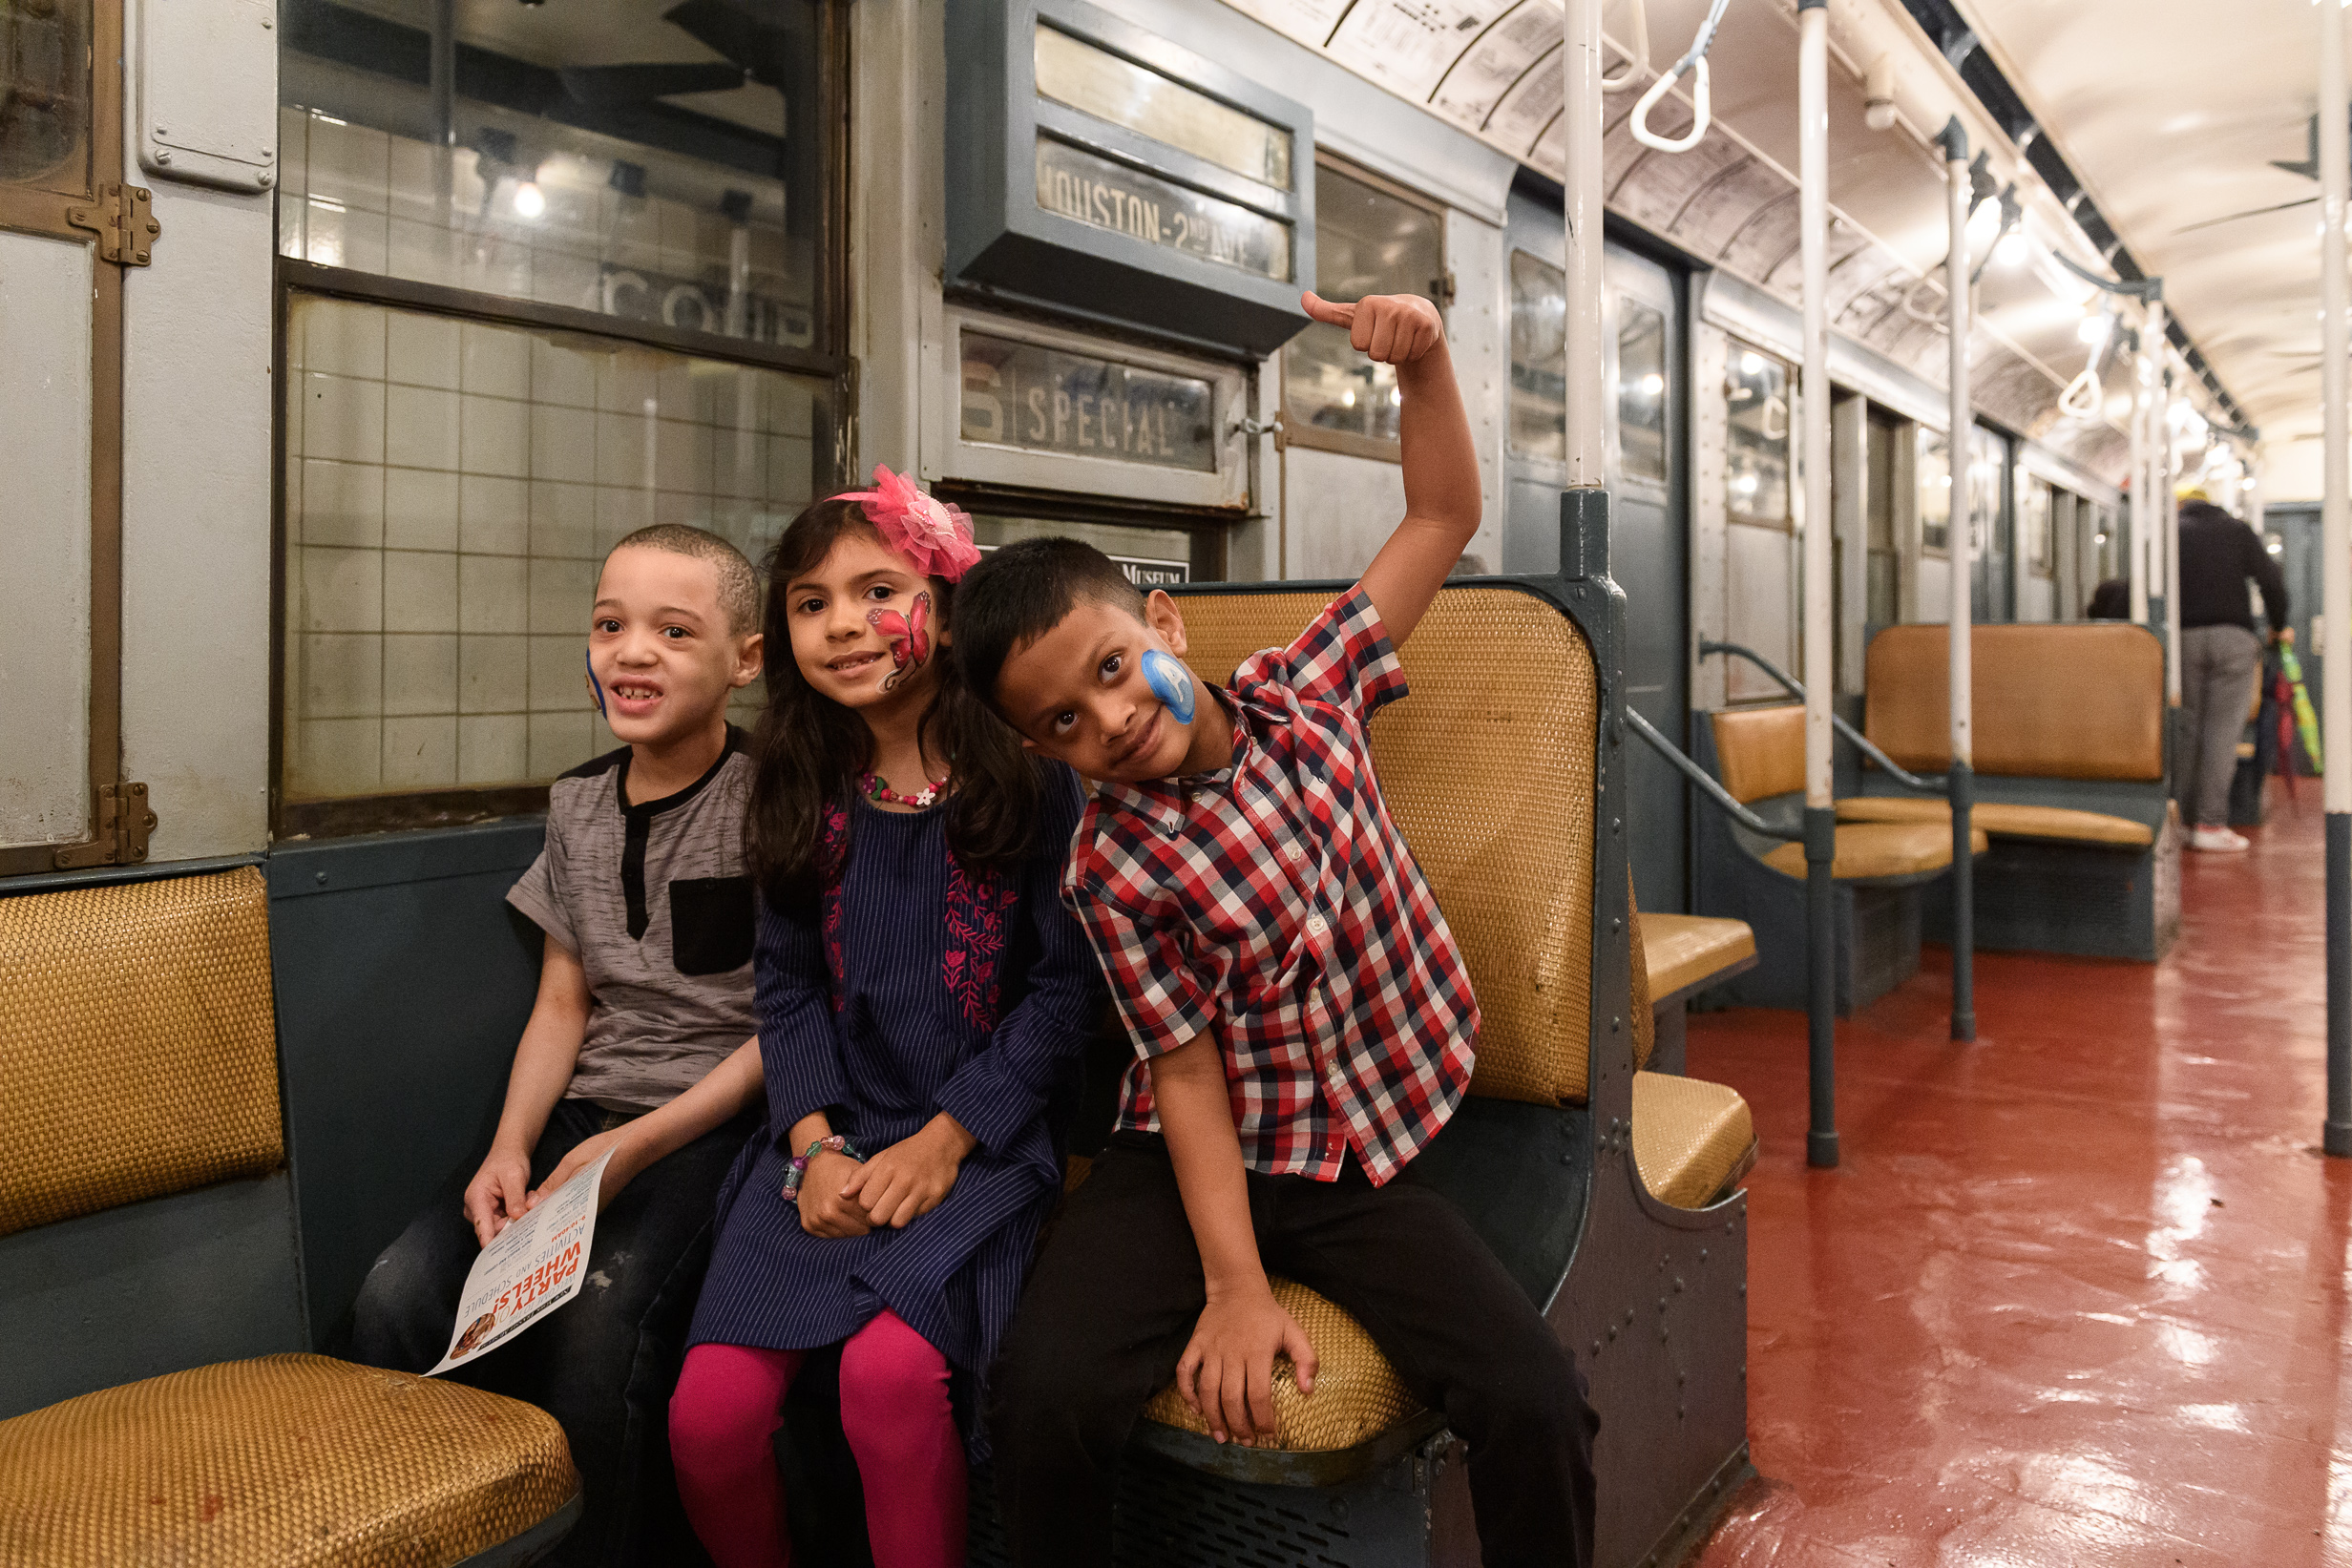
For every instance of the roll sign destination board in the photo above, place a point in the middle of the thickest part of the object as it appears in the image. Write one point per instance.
(1018, 394)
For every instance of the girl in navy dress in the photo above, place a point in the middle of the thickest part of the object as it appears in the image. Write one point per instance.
(923, 997)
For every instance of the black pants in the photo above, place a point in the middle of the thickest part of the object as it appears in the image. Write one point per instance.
(1114, 1300)
(605, 1364)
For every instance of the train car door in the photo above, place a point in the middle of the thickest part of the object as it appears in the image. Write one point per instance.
(1648, 536)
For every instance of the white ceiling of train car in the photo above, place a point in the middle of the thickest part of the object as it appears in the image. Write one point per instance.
(2170, 112)
(1492, 67)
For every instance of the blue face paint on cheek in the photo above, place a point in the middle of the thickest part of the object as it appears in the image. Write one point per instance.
(597, 686)
(1170, 682)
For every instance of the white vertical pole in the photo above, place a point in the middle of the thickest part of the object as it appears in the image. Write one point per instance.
(2335, 581)
(1961, 779)
(1588, 434)
(2136, 551)
(1820, 680)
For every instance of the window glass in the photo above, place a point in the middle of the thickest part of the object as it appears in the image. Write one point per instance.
(1755, 390)
(1987, 455)
(2033, 529)
(450, 489)
(1539, 358)
(1366, 241)
(1935, 476)
(45, 107)
(1640, 391)
(658, 163)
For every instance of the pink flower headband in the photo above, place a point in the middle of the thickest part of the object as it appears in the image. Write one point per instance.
(935, 536)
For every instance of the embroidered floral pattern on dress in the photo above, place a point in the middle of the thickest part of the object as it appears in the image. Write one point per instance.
(975, 916)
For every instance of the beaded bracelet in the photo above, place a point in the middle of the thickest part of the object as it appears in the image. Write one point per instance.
(835, 1144)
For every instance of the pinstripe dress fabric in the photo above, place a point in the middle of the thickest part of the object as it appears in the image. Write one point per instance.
(938, 995)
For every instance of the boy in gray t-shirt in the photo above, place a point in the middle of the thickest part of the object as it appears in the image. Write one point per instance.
(642, 1041)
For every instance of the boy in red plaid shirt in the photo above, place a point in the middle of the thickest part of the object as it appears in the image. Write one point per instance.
(1302, 1018)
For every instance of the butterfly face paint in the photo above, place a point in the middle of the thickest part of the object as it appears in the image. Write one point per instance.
(910, 639)
(596, 687)
(1170, 682)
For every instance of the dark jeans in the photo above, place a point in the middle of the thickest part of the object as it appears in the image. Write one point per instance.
(1115, 1298)
(604, 1364)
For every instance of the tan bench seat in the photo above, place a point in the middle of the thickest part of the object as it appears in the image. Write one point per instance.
(2002, 819)
(1685, 949)
(285, 1459)
(1692, 1139)
(1870, 849)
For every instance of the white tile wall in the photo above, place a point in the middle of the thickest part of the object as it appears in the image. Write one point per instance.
(452, 489)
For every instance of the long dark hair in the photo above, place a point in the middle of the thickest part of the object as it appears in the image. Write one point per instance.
(807, 751)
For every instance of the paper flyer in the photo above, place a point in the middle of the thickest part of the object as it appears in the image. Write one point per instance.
(529, 1269)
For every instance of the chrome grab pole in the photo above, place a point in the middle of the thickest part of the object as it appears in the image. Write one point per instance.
(1820, 806)
(2163, 512)
(2336, 582)
(1961, 779)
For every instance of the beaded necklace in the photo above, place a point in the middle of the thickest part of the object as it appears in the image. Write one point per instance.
(882, 794)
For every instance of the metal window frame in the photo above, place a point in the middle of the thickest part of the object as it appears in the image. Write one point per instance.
(45, 213)
(1731, 514)
(833, 440)
(1297, 432)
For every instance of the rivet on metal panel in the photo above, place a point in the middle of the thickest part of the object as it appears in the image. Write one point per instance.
(322, 879)
(1567, 1159)
(1628, 1314)
(1678, 1285)
(1596, 1346)
(1702, 1254)
(1681, 1411)
(1613, 1331)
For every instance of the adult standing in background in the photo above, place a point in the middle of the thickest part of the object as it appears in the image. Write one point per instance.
(2220, 652)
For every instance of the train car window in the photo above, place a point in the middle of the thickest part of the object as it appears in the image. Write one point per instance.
(2034, 539)
(45, 64)
(664, 167)
(1987, 463)
(450, 487)
(1369, 239)
(1539, 358)
(1756, 392)
(1935, 491)
(1640, 391)
(1152, 557)
(1882, 589)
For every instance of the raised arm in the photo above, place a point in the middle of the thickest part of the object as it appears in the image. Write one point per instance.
(1442, 502)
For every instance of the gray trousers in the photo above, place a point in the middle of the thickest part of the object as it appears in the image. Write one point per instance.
(2217, 683)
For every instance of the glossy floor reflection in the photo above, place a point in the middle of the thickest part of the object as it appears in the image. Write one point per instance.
(2078, 1293)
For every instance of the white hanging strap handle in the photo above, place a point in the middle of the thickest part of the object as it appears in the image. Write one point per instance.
(1640, 124)
(1694, 62)
(1639, 65)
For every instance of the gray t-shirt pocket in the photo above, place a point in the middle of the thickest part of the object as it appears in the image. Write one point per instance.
(710, 923)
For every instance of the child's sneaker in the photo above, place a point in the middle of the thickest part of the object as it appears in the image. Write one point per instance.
(2218, 841)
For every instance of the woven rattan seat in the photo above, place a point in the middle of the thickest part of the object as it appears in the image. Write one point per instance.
(289, 1459)
(2002, 819)
(1870, 851)
(1357, 1395)
(1683, 949)
(1692, 1139)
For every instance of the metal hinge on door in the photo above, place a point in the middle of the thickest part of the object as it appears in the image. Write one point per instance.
(123, 219)
(124, 822)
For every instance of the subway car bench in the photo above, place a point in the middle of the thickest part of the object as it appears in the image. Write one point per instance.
(1607, 1190)
(2068, 730)
(1682, 955)
(1758, 755)
(147, 1229)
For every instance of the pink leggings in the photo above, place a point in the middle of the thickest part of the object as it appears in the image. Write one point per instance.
(895, 1410)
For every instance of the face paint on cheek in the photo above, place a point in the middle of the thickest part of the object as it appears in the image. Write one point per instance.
(910, 639)
(1170, 682)
(598, 688)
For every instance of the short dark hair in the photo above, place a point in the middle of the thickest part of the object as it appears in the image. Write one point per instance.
(739, 585)
(1023, 592)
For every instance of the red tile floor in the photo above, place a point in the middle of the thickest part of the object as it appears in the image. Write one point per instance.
(2077, 1295)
